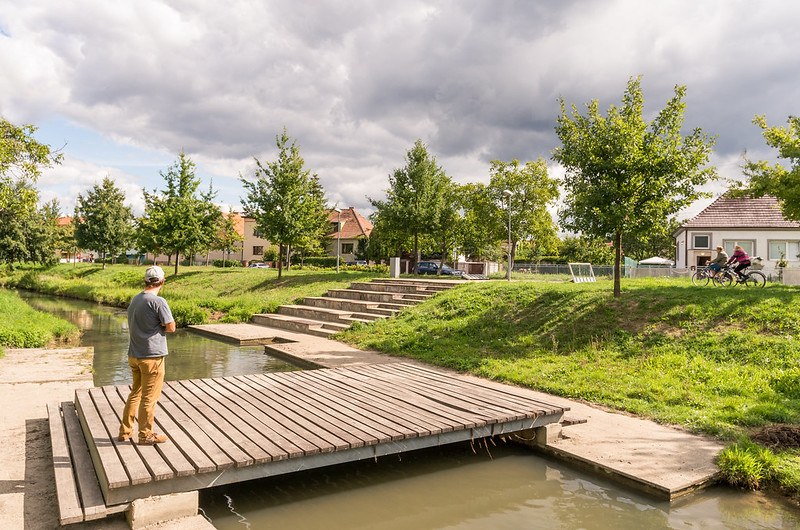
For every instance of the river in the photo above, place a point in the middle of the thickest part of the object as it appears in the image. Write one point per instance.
(454, 487)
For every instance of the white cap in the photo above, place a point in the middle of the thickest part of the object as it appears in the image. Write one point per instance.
(153, 274)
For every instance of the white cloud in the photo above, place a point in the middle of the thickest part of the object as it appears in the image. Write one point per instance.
(355, 83)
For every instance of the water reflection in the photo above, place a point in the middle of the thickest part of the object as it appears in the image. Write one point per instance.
(190, 355)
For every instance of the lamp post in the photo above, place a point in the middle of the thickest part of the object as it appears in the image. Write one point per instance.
(507, 194)
(338, 236)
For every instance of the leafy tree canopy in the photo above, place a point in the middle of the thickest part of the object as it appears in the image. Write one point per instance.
(102, 220)
(777, 180)
(414, 196)
(178, 220)
(625, 175)
(286, 200)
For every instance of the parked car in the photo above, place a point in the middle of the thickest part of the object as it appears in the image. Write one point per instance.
(430, 267)
(258, 265)
(358, 263)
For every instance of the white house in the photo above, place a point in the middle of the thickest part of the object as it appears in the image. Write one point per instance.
(754, 223)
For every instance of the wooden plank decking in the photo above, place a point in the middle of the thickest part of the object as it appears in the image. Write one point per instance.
(231, 429)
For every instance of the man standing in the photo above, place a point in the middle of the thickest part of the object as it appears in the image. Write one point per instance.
(149, 320)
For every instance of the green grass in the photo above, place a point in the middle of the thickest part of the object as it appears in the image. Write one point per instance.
(196, 295)
(23, 327)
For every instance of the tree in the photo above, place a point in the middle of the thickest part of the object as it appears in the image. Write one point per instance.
(479, 223)
(446, 224)
(286, 200)
(176, 220)
(583, 249)
(777, 180)
(627, 176)
(227, 236)
(22, 159)
(658, 242)
(102, 221)
(532, 190)
(414, 194)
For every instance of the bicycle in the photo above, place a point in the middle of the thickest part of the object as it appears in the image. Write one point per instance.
(701, 277)
(748, 278)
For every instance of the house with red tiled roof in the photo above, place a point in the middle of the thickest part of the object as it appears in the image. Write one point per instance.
(756, 224)
(347, 228)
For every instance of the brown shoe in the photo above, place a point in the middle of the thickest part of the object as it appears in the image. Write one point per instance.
(152, 439)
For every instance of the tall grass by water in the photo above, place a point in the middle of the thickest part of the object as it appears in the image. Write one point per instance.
(23, 327)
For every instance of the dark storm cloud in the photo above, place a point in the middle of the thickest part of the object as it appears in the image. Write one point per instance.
(357, 82)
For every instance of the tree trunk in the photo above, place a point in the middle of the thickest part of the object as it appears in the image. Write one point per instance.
(104, 260)
(417, 256)
(177, 260)
(617, 260)
(280, 260)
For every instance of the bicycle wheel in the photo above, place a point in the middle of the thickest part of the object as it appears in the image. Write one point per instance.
(755, 279)
(723, 279)
(700, 278)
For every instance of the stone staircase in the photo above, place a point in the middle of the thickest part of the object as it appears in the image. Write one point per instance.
(323, 316)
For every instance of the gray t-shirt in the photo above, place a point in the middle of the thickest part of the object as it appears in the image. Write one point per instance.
(147, 315)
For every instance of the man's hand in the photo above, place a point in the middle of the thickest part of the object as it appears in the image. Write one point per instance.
(170, 328)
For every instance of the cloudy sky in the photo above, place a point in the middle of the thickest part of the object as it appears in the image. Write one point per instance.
(121, 87)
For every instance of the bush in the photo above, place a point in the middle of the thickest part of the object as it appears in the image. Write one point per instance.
(320, 261)
(226, 263)
(747, 465)
(188, 314)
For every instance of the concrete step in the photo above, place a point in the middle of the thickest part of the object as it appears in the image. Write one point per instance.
(300, 325)
(358, 306)
(377, 296)
(326, 314)
(449, 284)
(397, 287)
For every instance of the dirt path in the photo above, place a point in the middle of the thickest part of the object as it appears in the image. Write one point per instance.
(29, 379)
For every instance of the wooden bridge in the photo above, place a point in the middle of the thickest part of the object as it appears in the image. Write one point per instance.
(231, 429)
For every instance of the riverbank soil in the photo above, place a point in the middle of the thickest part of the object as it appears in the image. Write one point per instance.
(29, 380)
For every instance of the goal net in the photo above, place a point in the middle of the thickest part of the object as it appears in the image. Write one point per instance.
(581, 272)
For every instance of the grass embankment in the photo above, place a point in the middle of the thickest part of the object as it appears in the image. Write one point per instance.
(196, 295)
(716, 361)
(21, 326)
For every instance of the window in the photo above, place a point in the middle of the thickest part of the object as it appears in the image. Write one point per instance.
(334, 227)
(788, 250)
(257, 251)
(701, 241)
(257, 232)
(747, 245)
(347, 248)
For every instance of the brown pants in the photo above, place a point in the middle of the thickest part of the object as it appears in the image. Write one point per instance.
(148, 378)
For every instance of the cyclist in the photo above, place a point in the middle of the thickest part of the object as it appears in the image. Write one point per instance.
(719, 261)
(742, 261)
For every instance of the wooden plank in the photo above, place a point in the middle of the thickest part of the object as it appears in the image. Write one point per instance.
(94, 506)
(306, 440)
(353, 432)
(239, 431)
(153, 455)
(134, 461)
(212, 424)
(387, 403)
(107, 463)
(195, 434)
(69, 506)
(233, 400)
(298, 415)
(508, 392)
(417, 400)
(384, 430)
(455, 396)
(386, 421)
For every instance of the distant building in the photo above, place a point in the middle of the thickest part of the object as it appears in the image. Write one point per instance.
(347, 228)
(756, 224)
